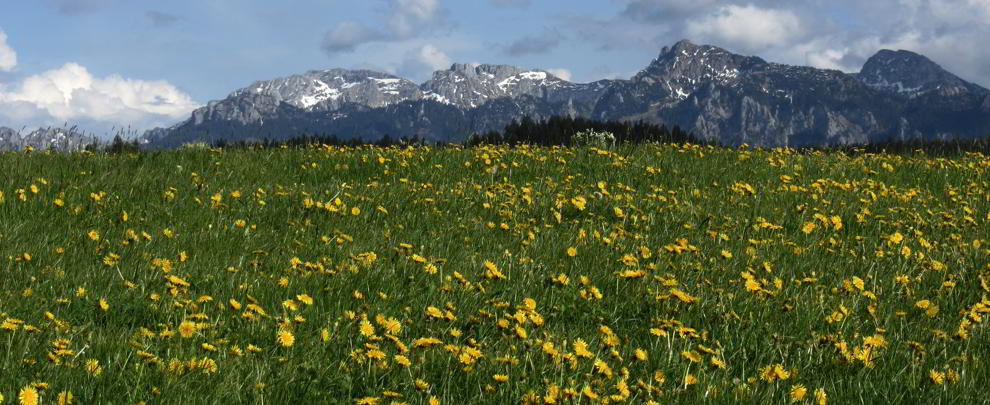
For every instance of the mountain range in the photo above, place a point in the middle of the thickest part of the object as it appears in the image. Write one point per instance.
(716, 94)
(59, 139)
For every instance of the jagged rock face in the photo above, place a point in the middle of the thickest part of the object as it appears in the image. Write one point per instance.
(325, 90)
(712, 92)
(468, 86)
(44, 139)
(685, 67)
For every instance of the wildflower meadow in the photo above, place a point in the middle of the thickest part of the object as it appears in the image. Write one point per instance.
(660, 273)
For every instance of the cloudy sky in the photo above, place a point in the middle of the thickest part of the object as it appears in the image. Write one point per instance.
(140, 64)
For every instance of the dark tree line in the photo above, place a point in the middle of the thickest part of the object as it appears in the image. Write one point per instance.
(560, 130)
(951, 147)
(312, 140)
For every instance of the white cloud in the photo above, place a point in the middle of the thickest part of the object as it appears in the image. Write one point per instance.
(8, 58)
(347, 35)
(561, 73)
(420, 62)
(748, 26)
(410, 16)
(71, 93)
(433, 57)
(403, 20)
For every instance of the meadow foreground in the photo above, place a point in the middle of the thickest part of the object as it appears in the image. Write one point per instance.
(667, 273)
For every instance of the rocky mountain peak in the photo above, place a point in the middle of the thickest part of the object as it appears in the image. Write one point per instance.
(329, 89)
(685, 66)
(60, 139)
(911, 74)
(471, 85)
(481, 70)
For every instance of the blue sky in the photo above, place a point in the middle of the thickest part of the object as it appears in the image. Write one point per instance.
(138, 63)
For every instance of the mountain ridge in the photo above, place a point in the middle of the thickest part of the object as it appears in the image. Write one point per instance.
(719, 95)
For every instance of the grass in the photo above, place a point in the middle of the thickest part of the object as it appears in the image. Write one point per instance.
(691, 274)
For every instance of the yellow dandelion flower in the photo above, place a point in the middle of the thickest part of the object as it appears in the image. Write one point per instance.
(572, 251)
(28, 396)
(895, 238)
(581, 349)
(187, 329)
(781, 372)
(690, 379)
(521, 332)
(797, 392)
(94, 235)
(285, 338)
(820, 397)
(103, 304)
(93, 367)
(366, 328)
(767, 374)
(641, 355)
(691, 355)
(500, 378)
(936, 376)
(579, 203)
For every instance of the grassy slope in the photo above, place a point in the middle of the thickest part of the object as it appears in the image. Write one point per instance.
(458, 208)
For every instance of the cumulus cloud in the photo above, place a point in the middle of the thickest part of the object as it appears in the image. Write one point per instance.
(747, 26)
(402, 19)
(420, 62)
(561, 73)
(160, 19)
(348, 35)
(71, 93)
(8, 58)
(535, 44)
(409, 17)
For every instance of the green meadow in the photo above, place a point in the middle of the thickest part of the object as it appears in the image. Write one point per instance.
(662, 273)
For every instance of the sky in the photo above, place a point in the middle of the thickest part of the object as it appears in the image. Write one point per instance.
(104, 65)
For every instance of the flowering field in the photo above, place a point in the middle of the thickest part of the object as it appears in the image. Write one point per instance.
(666, 273)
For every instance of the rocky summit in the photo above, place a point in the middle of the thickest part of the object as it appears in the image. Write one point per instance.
(714, 93)
(58, 139)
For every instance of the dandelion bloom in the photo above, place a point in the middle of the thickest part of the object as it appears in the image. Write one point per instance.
(820, 397)
(28, 396)
(187, 329)
(797, 392)
(285, 338)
